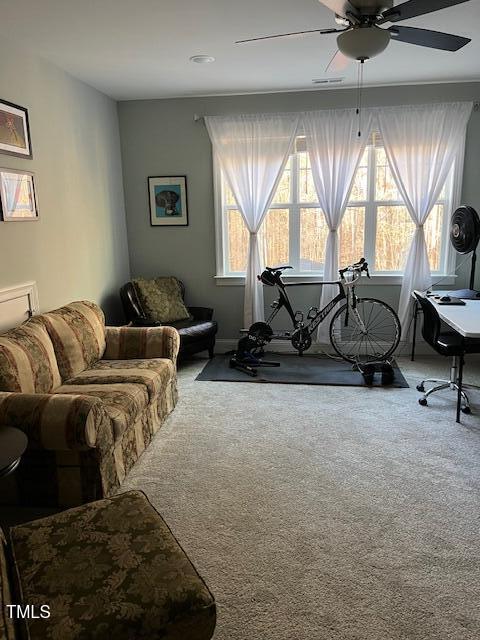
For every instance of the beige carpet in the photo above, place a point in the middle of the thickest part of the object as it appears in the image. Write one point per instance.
(319, 513)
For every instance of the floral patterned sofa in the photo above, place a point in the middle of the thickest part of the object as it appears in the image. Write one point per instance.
(89, 398)
(108, 569)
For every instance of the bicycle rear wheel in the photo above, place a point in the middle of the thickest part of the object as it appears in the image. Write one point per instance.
(379, 339)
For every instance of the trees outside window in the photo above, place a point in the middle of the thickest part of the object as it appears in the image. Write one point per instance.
(376, 223)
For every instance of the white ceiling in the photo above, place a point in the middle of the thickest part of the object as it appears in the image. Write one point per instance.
(134, 49)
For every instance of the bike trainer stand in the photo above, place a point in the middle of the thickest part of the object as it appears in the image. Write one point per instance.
(247, 357)
(248, 363)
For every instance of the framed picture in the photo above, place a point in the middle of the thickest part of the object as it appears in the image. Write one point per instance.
(14, 130)
(168, 201)
(17, 196)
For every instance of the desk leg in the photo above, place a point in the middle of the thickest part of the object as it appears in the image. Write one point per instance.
(414, 337)
(459, 382)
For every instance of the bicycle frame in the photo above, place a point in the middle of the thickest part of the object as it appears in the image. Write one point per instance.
(346, 292)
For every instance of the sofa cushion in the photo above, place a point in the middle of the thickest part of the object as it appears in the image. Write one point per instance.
(154, 374)
(27, 360)
(110, 569)
(123, 403)
(77, 332)
(7, 631)
(161, 299)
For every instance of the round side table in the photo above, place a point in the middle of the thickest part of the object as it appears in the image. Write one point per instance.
(13, 443)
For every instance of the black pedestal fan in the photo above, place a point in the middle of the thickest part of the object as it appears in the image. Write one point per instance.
(464, 236)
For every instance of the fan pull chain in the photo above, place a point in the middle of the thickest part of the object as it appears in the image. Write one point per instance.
(360, 95)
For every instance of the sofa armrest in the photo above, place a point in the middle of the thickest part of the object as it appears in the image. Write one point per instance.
(126, 343)
(201, 313)
(58, 422)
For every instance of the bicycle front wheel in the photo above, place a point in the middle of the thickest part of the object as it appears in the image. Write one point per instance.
(370, 332)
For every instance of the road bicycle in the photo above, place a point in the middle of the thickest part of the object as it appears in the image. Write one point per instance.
(362, 330)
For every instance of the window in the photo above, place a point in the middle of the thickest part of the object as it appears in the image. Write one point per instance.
(376, 223)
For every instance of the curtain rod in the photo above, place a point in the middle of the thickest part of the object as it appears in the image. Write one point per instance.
(476, 107)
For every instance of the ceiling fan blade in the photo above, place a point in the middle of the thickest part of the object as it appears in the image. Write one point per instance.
(414, 8)
(341, 7)
(427, 38)
(294, 33)
(339, 62)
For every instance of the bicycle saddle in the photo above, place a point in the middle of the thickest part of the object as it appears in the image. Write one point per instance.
(278, 268)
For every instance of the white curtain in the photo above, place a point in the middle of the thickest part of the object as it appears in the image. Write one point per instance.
(252, 151)
(335, 150)
(422, 143)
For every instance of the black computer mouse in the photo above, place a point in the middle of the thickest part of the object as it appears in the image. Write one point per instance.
(445, 299)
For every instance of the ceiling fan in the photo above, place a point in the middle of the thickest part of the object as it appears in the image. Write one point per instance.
(362, 37)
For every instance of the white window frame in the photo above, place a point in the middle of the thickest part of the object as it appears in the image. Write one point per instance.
(451, 201)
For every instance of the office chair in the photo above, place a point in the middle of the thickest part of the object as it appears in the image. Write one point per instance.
(446, 343)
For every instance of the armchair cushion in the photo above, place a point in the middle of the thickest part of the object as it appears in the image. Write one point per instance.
(154, 374)
(192, 331)
(125, 343)
(77, 332)
(27, 360)
(161, 299)
(123, 403)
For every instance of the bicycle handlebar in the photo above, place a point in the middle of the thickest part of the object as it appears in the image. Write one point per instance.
(361, 265)
(282, 268)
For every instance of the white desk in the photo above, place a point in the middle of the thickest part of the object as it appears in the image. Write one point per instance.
(463, 318)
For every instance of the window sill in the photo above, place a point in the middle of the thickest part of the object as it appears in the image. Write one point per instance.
(376, 279)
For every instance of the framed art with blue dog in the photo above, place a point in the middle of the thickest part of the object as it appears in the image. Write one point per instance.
(168, 201)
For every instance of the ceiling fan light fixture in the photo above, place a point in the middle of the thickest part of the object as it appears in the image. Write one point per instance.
(363, 42)
(341, 21)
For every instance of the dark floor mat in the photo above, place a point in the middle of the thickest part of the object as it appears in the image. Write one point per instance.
(295, 370)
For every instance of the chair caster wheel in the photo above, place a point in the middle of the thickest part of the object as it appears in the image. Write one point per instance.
(420, 388)
(423, 402)
(466, 410)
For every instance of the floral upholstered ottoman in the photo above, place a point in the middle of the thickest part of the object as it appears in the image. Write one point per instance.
(109, 569)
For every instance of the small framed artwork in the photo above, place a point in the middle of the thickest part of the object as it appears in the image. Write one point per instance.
(14, 130)
(17, 196)
(168, 201)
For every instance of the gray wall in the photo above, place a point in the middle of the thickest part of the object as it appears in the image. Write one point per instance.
(159, 137)
(78, 248)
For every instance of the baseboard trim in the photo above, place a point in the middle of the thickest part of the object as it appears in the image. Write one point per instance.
(283, 346)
